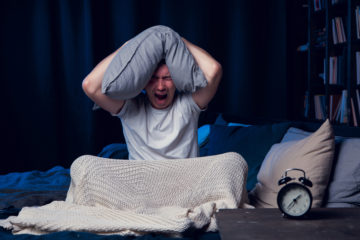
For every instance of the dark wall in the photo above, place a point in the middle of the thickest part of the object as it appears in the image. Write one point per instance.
(49, 46)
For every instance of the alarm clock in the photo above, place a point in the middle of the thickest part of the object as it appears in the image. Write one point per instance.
(294, 199)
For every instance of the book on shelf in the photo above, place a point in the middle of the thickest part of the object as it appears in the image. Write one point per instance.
(334, 105)
(342, 29)
(358, 99)
(334, 35)
(336, 70)
(318, 5)
(353, 112)
(342, 114)
(319, 104)
(338, 30)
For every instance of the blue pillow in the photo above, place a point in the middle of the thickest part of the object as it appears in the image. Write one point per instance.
(252, 142)
(231, 124)
(115, 151)
(203, 134)
(220, 120)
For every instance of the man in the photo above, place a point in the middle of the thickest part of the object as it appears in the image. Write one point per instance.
(160, 124)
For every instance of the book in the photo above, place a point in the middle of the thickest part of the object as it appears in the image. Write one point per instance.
(334, 103)
(353, 113)
(343, 108)
(342, 30)
(334, 34)
(338, 30)
(358, 98)
(336, 113)
(317, 5)
(319, 103)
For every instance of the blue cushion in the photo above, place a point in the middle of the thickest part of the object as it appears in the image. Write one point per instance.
(203, 134)
(115, 151)
(253, 143)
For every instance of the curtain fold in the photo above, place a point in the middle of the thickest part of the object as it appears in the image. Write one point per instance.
(49, 46)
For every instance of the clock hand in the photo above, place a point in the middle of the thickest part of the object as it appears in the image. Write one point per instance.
(293, 202)
(295, 199)
(290, 205)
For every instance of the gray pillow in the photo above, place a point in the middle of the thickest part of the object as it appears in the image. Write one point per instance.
(344, 185)
(135, 62)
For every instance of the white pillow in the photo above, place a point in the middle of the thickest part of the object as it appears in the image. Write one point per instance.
(314, 154)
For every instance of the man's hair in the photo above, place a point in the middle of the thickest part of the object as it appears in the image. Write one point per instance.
(162, 62)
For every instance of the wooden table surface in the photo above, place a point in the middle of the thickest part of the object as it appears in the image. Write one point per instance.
(321, 223)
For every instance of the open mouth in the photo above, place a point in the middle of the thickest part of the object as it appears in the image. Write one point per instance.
(161, 96)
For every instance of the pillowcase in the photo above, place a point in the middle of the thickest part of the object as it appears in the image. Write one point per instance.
(203, 134)
(220, 120)
(115, 151)
(133, 65)
(251, 142)
(344, 185)
(230, 124)
(293, 134)
(314, 154)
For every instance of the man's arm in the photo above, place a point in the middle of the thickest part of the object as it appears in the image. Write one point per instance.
(92, 87)
(212, 71)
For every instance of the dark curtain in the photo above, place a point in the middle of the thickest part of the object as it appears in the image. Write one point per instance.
(49, 46)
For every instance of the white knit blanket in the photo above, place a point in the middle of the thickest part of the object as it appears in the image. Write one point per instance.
(136, 197)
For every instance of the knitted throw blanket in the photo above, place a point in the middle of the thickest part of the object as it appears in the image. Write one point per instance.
(108, 196)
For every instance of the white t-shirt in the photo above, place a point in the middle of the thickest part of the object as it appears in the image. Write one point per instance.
(153, 134)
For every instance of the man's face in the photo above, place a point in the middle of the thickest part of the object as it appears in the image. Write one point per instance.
(161, 89)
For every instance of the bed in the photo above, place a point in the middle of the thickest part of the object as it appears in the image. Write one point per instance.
(218, 133)
(37, 188)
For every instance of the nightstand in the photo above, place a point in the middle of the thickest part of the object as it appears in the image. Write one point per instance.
(321, 223)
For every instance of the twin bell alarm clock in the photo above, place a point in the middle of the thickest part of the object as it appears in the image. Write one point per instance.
(294, 199)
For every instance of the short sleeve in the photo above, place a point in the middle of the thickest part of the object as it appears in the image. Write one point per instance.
(187, 100)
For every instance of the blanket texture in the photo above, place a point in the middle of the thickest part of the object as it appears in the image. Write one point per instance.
(170, 197)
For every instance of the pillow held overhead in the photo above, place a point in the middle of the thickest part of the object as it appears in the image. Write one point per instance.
(135, 62)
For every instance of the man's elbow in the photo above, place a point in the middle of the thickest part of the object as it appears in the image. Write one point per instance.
(88, 86)
(216, 72)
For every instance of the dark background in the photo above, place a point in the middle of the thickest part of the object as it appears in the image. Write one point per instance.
(48, 47)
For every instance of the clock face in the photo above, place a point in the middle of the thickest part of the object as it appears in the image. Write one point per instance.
(294, 200)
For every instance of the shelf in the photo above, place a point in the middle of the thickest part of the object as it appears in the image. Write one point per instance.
(342, 67)
(333, 89)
